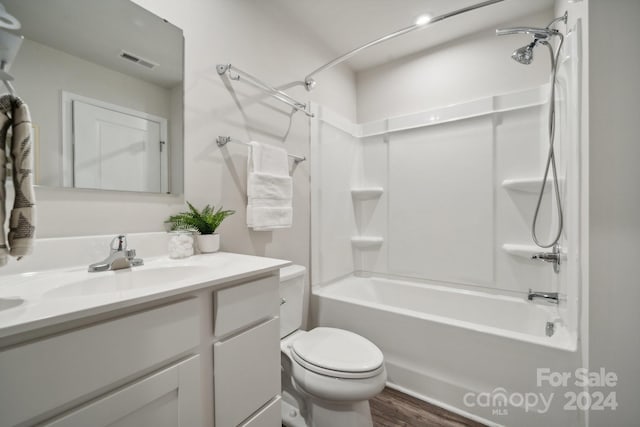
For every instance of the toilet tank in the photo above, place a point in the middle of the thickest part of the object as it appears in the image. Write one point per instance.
(292, 298)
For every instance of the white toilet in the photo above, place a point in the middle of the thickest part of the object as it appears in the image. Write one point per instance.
(328, 374)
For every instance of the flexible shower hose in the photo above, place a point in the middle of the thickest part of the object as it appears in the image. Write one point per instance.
(551, 157)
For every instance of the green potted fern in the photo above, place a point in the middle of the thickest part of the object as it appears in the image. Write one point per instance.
(205, 222)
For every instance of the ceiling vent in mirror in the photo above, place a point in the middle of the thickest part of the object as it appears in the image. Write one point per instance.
(138, 60)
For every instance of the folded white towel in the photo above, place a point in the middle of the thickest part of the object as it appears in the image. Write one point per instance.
(269, 188)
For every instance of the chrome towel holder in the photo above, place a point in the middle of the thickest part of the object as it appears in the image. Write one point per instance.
(223, 140)
(275, 93)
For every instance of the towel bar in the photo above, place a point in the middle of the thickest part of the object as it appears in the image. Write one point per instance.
(223, 140)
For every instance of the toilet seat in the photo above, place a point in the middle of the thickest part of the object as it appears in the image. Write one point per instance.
(337, 353)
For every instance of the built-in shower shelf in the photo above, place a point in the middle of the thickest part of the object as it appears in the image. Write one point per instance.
(524, 251)
(362, 242)
(367, 193)
(526, 185)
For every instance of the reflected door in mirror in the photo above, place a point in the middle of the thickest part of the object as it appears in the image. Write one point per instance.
(116, 150)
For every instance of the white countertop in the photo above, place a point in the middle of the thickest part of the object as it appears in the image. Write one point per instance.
(56, 296)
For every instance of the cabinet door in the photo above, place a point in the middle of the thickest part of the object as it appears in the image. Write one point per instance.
(168, 398)
(40, 376)
(246, 373)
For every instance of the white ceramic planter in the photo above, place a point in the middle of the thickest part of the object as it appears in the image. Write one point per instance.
(208, 243)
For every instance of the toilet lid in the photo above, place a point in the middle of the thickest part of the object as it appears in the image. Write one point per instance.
(332, 351)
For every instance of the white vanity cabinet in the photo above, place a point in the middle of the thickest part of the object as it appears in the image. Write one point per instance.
(198, 353)
(138, 365)
(246, 354)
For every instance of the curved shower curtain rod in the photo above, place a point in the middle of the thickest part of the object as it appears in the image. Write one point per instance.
(310, 83)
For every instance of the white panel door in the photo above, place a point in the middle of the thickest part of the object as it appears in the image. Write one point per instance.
(115, 150)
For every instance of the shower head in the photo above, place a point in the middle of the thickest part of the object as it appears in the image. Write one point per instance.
(524, 55)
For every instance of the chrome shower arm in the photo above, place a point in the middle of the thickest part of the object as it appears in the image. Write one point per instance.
(562, 18)
(539, 33)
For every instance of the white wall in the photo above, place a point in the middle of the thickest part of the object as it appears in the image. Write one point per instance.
(468, 68)
(614, 223)
(252, 36)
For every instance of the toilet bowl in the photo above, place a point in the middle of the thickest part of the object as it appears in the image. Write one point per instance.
(328, 374)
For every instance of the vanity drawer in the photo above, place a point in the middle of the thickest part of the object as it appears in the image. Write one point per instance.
(246, 371)
(242, 305)
(92, 358)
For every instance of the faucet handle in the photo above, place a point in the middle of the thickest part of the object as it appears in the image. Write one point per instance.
(131, 257)
(118, 243)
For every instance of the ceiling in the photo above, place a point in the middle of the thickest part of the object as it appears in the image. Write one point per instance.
(342, 25)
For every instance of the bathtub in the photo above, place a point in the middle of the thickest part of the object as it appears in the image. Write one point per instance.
(475, 353)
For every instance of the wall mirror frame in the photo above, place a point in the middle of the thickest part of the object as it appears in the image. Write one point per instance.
(104, 81)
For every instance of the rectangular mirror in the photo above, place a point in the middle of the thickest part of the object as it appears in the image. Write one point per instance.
(104, 84)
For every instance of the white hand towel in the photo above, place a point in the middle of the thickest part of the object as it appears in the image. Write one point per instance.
(269, 188)
(266, 218)
(269, 159)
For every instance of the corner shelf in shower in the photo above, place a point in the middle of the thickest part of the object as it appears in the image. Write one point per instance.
(524, 251)
(366, 193)
(526, 185)
(366, 242)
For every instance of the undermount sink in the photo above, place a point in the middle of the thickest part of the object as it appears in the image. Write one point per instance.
(7, 303)
(125, 280)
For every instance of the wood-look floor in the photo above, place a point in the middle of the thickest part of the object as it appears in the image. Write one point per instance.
(392, 408)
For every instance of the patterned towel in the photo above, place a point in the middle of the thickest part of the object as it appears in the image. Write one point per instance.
(14, 115)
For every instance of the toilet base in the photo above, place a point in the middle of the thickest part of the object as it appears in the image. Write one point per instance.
(327, 414)
(291, 415)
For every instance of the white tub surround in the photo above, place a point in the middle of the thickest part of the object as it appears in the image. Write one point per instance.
(143, 344)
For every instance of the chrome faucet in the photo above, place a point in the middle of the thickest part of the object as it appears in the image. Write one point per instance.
(551, 297)
(119, 257)
(553, 257)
